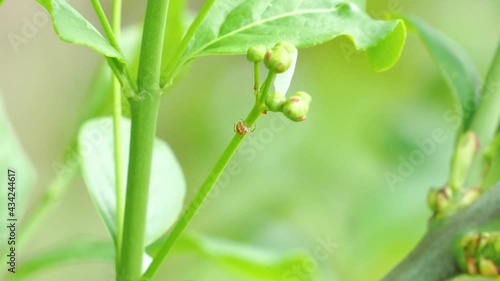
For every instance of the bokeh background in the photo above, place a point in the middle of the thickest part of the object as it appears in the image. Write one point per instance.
(320, 179)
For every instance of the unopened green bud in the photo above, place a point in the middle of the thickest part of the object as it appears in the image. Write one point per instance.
(256, 53)
(305, 97)
(297, 106)
(483, 241)
(467, 148)
(288, 46)
(275, 101)
(487, 268)
(431, 198)
(471, 266)
(472, 244)
(278, 59)
(443, 199)
(467, 264)
(465, 253)
(461, 257)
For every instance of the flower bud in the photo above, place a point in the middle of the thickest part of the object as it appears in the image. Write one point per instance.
(431, 199)
(278, 59)
(478, 253)
(443, 199)
(465, 253)
(487, 268)
(275, 101)
(471, 266)
(288, 46)
(483, 241)
(471, 243)
(305, 97)
(297, 106)
(467, 149)
(256, 53)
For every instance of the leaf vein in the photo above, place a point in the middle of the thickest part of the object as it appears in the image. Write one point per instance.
(270, 19)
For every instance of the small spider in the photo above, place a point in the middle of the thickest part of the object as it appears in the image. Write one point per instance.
(241, 128)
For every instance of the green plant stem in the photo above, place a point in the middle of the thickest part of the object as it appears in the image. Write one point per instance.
(265, 87)
(175, 63)
(128, 86)
(433, 259)
(113, 35)
(105, 24)
(256, 77)
(117, 114)
(201, 195)
(210, 181)
(144, 115)
(120, 190)
(144, 112)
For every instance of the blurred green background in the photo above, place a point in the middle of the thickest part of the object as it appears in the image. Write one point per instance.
(323, 179)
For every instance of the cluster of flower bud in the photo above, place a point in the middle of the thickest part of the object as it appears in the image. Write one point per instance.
(479, 253)
(278, 59)
(281, 60)
(445, 201)
(294, 108)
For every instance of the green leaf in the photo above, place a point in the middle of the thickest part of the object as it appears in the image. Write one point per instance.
(70, 252)
(12, 157)
(262, 264)
(1, 2)
(456, 66)
(100, 96)
(99, 99)
(167, 187)
(72, 27)
(174, 29)
(232, 26)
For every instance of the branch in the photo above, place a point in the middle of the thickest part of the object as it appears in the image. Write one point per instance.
(144, 115)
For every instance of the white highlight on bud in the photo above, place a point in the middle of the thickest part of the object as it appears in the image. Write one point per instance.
(282, 81)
